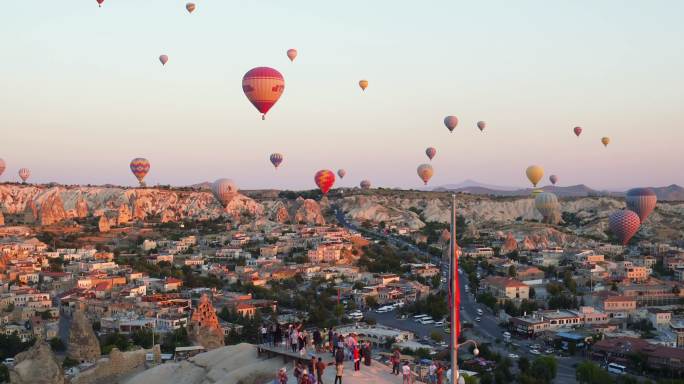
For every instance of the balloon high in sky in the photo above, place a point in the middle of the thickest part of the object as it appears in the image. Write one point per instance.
(577, 130)
(341, 173)
(263, 86)
(451, 122)
(534, 174)
(430, 152)
(425, 172)
(291, 54)
(276, 159)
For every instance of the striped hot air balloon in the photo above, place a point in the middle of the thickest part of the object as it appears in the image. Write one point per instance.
(534, 174)
(324, 180)
(624, 224)
(451, 122)
(430, 152)
(224, 190)
(276, 159)
(547, 204)
(140, 166)
(24, 174)
(263, 86)
(425, 172)
(2, 166)
(365, 184)
(642, 201)
(341, 173)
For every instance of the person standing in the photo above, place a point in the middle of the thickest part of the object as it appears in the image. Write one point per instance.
(339, 372)
(320, 368)
(339, 356)
(406, 373)
(432, 373)
(331, 341)
(317, 340)
(278, 335)
(356, 353)
(367, 354)
(440, 373)
(282, 376)
(305, 377)
(264, 333)
(396, 361)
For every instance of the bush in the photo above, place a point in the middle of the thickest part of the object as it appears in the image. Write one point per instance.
(57, 344)
(69, 362)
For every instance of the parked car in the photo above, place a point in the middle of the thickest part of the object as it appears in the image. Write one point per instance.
(535, 352)
(478, 319)
(513, 356)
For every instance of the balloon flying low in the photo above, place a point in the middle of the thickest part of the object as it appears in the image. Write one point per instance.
(2, 166)
(263, 86)
(365, 184)
(451, 122)
(190, 7)
(534, 174)
(605, 141)
(292, 54)
(24, 174)
(163, 59)
(324, 180)
(276, 159)
(481, 125)
(425, 172)
(140, 167)
(577, 130)
(640, 200)
(624, 224)
(341, 173)
(224, 190)
(363, 84)
(430, 152)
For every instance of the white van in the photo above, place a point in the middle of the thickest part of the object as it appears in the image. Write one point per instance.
(427, 320)
(418, 318)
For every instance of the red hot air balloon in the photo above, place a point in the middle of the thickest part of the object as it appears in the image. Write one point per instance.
(451, 122)
(642, 201)
(163, 59)
(553, 179)
(324, 180)
(263, 87)
(365, 184)
(481, 125)
(577, 130)
(340, 172)
(430, 152)
(24, 174)
(624, 224)
(292, 54)
(99, 3)
(190, 7)
(140, 167)
(276, 159)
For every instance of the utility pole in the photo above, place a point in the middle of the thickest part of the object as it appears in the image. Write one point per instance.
(454, 296)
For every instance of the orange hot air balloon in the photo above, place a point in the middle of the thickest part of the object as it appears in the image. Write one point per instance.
(451, 122)
(363, 84)
(605, 141)
(263, 86)
(190, 7)
(292, 54)
(164, 59)
(324, 180)
(425, 172)
(534, 174)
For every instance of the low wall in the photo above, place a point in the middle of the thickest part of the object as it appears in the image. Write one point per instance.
(118, 363)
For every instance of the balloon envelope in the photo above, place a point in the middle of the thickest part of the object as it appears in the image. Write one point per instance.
(640, 200)
(605, 141)
(140, 166)
(163, 59)
(190, 7)
(276, 159)
(624, 224)
(324, 180)
(263, 86)
(577, 130)
(546, 203)
(451, 122)
(224, 190)
(341, 173)
(363, 84)
(24, 174)
(425, 172)
(292, 54)
(481, 125)
(430, 152)
(2, 166)
(553, 179)
(365, 184)
(534, 174)
(99, 2)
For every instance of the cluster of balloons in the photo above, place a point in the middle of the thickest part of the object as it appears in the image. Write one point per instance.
(24, 173)
(625, 223)
(604, 140)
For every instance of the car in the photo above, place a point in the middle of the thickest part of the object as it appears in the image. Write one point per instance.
(535, 352)
(9, 361)
(427, 321)
(402, 317)
(549, 351)
(439, 323)
(513, 356)
(478, 319)
(535, 346)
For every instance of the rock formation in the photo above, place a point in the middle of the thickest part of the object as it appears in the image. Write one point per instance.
(204, 326)
(81, 208)
(2, 218)
(103, 224)
(307, 211)
(82, 344)
(510, 245)
(37, 365)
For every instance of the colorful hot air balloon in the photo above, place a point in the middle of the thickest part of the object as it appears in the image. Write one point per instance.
(534, 174)
(451, 122)
(363, 84)
(624, 224)
(547, 204)
(263, 86)
(164, 59)
(430, 152)
(224, 190)
(640, 200)
(481, 125)
(578, 131)
(292, 54)
(341, 173)
(365, 184)
(553, 179)
(99, 3)
(276, 159)
(140, 167)
(324, 180)
(425, 172)
(190, 7)
(2, 166)
(24, 174)
(605, 141)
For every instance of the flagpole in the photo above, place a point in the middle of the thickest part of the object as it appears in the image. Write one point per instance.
(454, 297)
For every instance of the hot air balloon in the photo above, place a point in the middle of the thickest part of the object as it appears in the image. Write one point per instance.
(535, 192)
(324, 180)
(99, 3)
(577, 130)
(553, 179)
(140, 167)
(2, 166)
(224, 190)
(163, 59)
(263, 86)
(341, 173)
(292, 54)
(640, 200)
(425, 172)
(363, 84)
(276, 159)
(547, 204)
(190, 7)
(605, 141)
(624, 224)
(481, 125)
(365, 184)
(430, 152)
(451, 122)
(534, 174)
(24, 174)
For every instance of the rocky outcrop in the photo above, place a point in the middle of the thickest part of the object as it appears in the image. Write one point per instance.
(204, 326)
(510, 245)
(307, 211)
(116, 364)
(2, 218)
(103, 224)
(241, 205)
(37, 365)
(81, 208)
(82, 344)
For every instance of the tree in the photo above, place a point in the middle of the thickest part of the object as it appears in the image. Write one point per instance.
(524, 364)
(511, 271)
(544, 368)
(590, 373)
(57, 344)
(437, 336)
(372, 301)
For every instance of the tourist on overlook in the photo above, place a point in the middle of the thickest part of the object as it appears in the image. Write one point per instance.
(339, 372)
(406, 373)
(356, 353)
(282, 376)
(396, 361)
(440, 373)
(367, 354)
(320, 368)
(331, 341)
(432, 373)
(317, 340)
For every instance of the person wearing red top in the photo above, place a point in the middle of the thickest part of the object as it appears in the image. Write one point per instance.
(357, 358)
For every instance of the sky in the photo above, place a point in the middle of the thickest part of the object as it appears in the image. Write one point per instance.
(82, 91)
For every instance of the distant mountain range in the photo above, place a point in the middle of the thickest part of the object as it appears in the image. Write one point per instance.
(670, 193)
